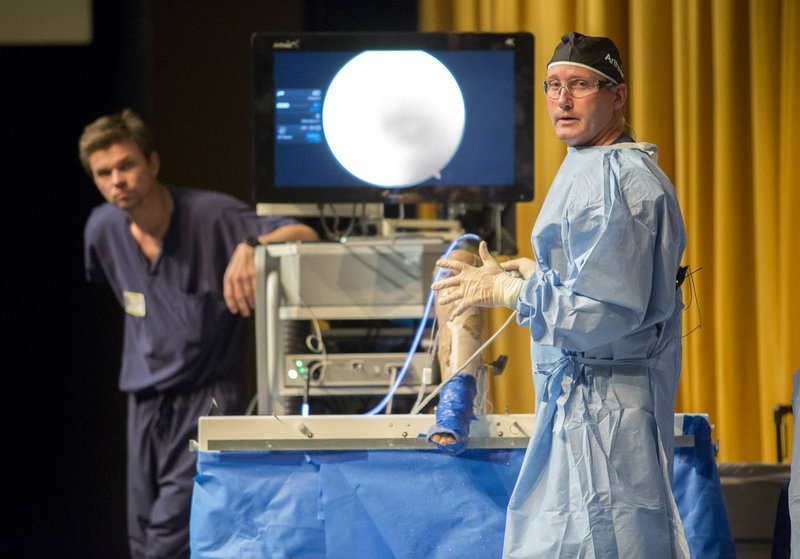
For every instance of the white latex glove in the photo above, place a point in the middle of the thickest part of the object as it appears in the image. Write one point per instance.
(525, 266)
(483, 286)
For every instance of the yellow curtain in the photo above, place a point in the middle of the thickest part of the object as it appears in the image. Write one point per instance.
(714, 83)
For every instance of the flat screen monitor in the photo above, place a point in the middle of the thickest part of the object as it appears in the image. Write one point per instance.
(393, 118)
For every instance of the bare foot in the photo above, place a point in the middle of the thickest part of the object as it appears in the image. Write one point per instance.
(443, 439)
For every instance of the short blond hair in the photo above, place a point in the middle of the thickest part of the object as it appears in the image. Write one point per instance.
(113, 129)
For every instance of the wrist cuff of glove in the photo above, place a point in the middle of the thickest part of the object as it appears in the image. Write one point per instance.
(506, 290)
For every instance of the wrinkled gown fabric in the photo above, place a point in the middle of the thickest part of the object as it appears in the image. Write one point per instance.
(605, 321)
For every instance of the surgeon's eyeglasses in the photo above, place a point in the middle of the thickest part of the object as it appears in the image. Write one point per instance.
(576, 88)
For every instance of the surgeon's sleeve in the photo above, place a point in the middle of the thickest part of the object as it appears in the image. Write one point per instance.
(604, 291)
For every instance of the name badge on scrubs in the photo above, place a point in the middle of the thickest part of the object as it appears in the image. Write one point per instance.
(134, 303)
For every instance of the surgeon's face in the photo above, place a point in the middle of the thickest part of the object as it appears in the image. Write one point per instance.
(593, 120)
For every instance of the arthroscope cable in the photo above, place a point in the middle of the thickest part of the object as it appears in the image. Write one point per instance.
(463, 366)
(420, 329)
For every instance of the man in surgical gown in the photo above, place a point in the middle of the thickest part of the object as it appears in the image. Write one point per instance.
(604, 310)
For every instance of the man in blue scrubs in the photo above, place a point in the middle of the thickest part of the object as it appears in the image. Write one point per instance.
(180, 263)
(604, 310)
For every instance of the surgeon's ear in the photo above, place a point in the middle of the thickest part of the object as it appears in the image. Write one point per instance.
(620, 96)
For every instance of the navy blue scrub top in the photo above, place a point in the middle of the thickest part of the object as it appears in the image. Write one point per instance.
(178, 331)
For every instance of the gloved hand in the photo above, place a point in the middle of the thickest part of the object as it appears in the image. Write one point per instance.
(525, 266)
(483, 286)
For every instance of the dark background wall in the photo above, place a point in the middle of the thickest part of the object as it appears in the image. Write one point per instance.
(183, 65)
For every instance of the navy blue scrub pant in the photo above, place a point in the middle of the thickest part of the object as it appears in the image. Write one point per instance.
(161, 467)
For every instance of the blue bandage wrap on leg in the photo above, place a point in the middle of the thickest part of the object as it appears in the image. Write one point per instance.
(454, 412)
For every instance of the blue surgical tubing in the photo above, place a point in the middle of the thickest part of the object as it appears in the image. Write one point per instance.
(420, 329)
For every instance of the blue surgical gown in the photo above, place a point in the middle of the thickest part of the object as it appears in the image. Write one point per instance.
(605, 321)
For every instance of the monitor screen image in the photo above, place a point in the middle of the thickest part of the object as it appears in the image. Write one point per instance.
(393, 118)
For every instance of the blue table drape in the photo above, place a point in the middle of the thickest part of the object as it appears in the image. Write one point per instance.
(400, 503)
(698, 494)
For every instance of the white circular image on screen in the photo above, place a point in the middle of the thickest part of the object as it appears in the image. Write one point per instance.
(393, 118)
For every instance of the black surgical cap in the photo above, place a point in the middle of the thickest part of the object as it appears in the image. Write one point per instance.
(595, 53)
